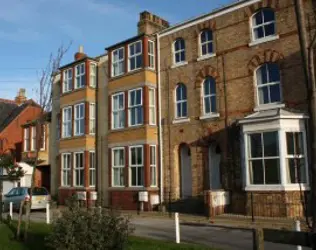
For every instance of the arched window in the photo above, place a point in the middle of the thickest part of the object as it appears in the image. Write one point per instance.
(209, 96)
(181, 101)
(206, 40)
(179, 51)
(268, 83)
(263, 24)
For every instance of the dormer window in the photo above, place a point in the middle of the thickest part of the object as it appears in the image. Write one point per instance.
(67, 83)
(118, 62)
(80, 80)
(135, 57)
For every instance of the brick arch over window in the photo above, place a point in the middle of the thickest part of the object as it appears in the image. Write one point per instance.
(268, 56)
(210, 25)
(206, 71)
(250, 10)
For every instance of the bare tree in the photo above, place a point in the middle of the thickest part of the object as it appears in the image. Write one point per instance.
(47, 77)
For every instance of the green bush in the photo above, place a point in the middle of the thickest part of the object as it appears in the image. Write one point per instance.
(95, 229)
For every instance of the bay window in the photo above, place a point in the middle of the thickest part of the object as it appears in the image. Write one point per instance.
(93, 75)
(152, 106)
(67, 80)
(118, 166)
(92, 116)
(153, 165)
(136, 166)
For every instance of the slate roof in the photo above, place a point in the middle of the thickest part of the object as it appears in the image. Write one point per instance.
(9, 111)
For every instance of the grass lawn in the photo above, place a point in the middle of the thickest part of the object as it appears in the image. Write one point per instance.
(38, 232)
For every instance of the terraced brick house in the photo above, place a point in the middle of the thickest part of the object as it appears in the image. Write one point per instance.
(202, 115)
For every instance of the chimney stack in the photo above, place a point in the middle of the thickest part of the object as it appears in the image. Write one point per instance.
(149, 23)
(20, 98)
(80, 54)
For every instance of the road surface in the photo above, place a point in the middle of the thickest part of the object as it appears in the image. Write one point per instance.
(212, 236)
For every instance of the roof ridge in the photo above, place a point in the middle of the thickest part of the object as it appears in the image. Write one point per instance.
(7, 101)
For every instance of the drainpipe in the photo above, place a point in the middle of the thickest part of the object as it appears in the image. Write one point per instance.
(159, 122)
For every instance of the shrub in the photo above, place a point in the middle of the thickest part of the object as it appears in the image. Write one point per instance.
(96, 229)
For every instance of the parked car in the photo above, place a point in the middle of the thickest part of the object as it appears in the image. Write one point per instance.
(40, 197)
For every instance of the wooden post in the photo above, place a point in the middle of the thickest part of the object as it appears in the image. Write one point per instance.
(258, 239)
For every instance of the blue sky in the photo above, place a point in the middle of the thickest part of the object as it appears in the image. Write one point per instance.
(31, 29)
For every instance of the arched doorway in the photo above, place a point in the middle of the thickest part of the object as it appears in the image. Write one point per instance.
(214, 160)
(186, 171)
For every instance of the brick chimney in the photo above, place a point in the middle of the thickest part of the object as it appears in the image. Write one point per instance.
(149, 23)
(80, 54)
(20, 98)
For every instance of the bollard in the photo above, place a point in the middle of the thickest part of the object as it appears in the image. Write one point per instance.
(177, 228)
(47, 214)
(298, 229)
(11, 210)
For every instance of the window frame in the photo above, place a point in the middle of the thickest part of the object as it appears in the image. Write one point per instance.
(120, 167)
(27, 142)
(153, 166)
(118, 111)
(180, 102)
(151, 55)
(256, 26)
(80, 119)
(178, 52)
(206, 43)
(130, 107)
(152, 120)
(33, 138)
(69, 122)
(137, 166)
(75, 169)
(80, 75)
(68, 169)
(203, 96)
(135, 55)
(92, 118)
(122, 60)
(268, 84)
(92, 168)
(93, 75)
(43, 137)
(67, 81)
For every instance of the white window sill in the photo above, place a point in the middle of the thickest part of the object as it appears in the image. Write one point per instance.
(211, 116)
(287, 187)
(269, 106)
(204, 57)
(176, 65)
(182, 120)
(264, 40)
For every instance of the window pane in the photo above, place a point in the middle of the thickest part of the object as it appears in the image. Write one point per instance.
(275, 94)
(139, 115)
(296, 169)
(213, 104)
(258, 18)
(258, 32)
(262, 77)
(256, 172)
(268, 15)
(139, 156)
(182, 44)
(210, 47)
(207, 105)
(184, 109)
(204, 49)
(132, 63)
(207, 87)
(138, 97)
(140, 177)
(203, 36)
(263, 95)
(269, 29)
(274, 72)
(271, 147)
(134, 176)
(256, 145)
(272, 171)
(139, 60)
(179, 113)
(177, 57)
(182, 55)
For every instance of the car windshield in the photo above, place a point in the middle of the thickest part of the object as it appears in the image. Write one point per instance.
(38, 191)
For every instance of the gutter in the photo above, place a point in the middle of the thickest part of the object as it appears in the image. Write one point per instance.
(159, 122)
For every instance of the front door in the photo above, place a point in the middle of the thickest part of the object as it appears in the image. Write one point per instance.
(186, 171)
(214, 157)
